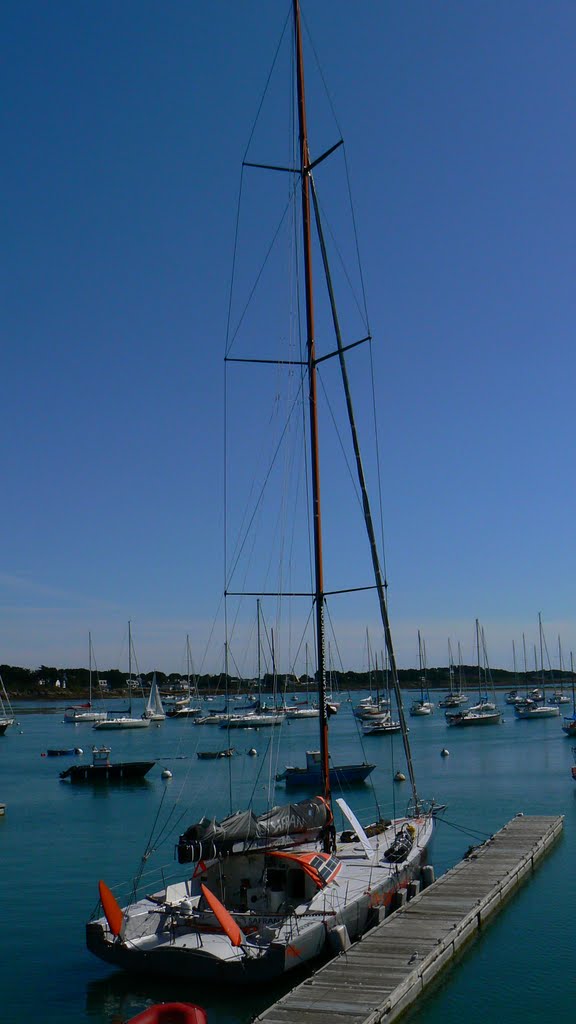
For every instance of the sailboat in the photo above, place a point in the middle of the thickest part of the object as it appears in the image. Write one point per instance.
(456, 696)
(569, 723)
(6, 713)
(85, 712)
(124, 721)
(271, 892)
(558, 696)
(424, 706)
(154, 708)
(260, 716)
(187, 709)
(532, 709)
(377, 719)
(485, 711)
(309, 710)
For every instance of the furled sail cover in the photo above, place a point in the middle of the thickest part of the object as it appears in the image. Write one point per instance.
(211, 838)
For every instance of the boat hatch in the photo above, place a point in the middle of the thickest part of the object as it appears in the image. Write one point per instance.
(322, 868)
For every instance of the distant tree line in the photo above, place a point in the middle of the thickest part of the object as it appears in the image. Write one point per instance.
(43, 681)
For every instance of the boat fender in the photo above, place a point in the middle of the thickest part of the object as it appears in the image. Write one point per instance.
(339, 939)
(426, 875)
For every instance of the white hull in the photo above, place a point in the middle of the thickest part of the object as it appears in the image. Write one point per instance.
(537, 711)
(75, 717)
(122, 723)
(421, 709)
(286, 925)
(252, 721)
(382, 727)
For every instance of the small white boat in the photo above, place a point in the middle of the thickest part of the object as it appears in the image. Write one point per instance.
(530, 709)
(122, 722)
(302, 713)
(421, 707)
(382, 725)
(154, 708)
(559, 698)
(254, 720)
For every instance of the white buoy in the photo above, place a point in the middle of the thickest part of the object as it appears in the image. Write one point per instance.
(444, 752)
(252, 751)
(399, 777)
(79, 751)
(166, 774)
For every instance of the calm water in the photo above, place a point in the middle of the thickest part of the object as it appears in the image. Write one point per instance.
(57, 840)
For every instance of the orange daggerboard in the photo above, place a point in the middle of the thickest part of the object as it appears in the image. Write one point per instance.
(112, 911)
(223, 917)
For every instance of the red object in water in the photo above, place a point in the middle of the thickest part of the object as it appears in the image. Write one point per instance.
(171, 1013)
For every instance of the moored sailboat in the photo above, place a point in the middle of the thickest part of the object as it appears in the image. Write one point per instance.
(124, 720)
(186, 708)
(424, 705)
(271, 892)
(6, 713)
(311, 775)
(485, 711)
(569, 722)
(154, 708)
(77, 713)
(530, 709)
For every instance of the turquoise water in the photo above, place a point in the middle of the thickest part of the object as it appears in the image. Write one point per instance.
(57, 840)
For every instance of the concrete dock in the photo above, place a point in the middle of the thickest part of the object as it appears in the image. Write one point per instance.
(380, 976)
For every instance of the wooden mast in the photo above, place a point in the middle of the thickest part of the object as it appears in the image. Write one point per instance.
(313, 411)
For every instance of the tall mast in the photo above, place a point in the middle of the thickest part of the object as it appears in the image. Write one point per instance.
(313, 412)
(90, 668)
(478, 659)
(541, 648)
(259, 654)
(129, 667)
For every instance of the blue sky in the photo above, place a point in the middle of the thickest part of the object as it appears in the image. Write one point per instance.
(124, 128)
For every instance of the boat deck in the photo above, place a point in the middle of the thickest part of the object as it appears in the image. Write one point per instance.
(379, 977)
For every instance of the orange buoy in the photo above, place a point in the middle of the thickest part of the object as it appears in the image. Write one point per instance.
(171, 1013)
